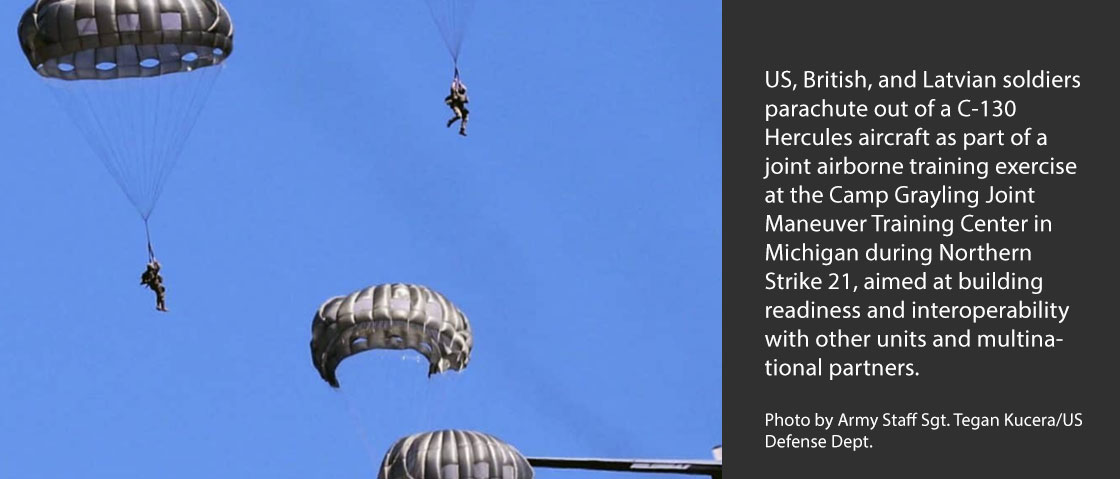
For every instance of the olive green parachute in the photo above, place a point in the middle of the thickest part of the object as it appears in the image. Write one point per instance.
(390, 316)
(133, 75)
(453, 454)
(106, 39)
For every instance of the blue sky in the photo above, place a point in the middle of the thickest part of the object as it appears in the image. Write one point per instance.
(579, 226)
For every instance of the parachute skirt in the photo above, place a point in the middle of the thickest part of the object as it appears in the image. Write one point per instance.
(390, 316)
(443, 455)
(130, 61)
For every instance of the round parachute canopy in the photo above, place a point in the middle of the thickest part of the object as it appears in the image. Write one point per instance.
(390, 316)
(107, 39)
(453, 454)
(133, 75)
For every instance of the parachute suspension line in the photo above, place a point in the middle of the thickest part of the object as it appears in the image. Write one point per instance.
(151, 161)
(94, 115)
(148, 236)
(187, 100)
(437, 398)
(430, 393)
(153, 164)
(450, 17)
(357, 418)
(168, 154)
(142, 106)
(163, 159)
(111, 113)
(117, 113)
(69, 94)
(137, 126)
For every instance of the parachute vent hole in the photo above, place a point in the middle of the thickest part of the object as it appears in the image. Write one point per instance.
(150, 63)
(358, 341)
(219, 52)
(128, 22)
(482, 469)
(106, 66)
(396, 341)
(86, 26)
(190, 57)
(66, 67)
(171, 21)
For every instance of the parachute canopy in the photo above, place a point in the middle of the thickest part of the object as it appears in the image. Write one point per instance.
(390, 316)
(133, 75)
(106, 39)
(453, 454)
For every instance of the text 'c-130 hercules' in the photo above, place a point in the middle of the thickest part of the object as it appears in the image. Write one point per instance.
(390, 316)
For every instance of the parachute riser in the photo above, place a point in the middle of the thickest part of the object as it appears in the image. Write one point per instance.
(148, 236)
